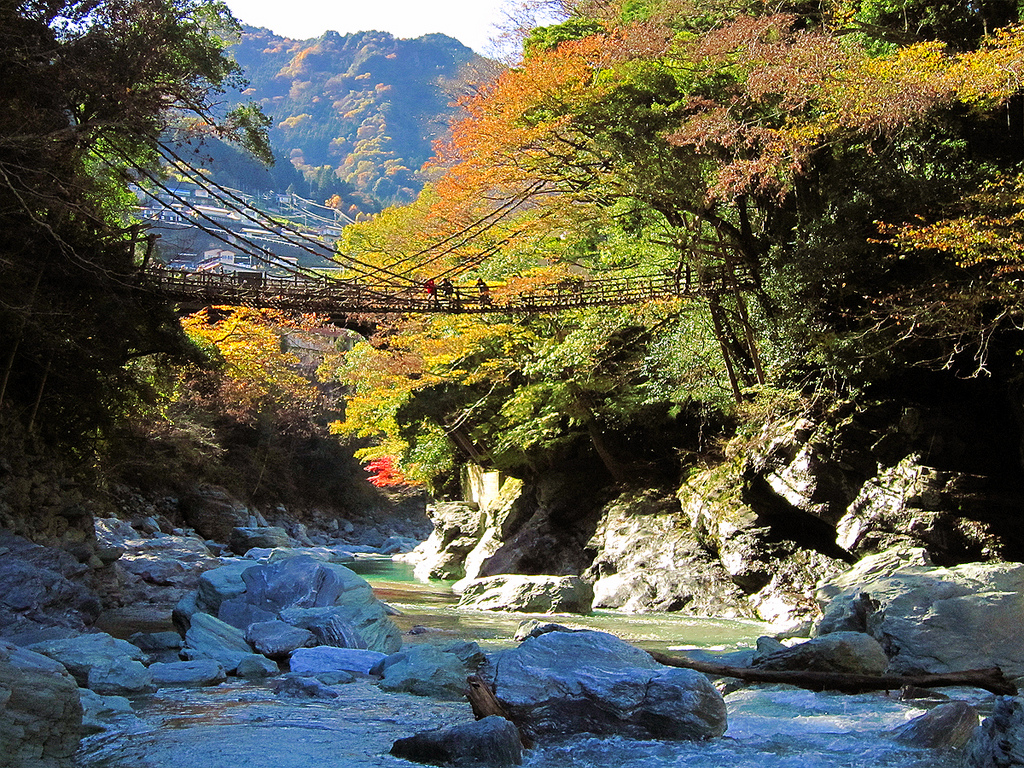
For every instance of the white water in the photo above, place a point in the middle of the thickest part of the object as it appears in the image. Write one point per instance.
(245, 726)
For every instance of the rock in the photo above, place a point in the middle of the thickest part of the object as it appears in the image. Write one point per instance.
(211, 638)
(426, 670)
(156, 642)
(42, 588)
(102, 712)
(213, 512)
(314, 661)
(563, 683)
(646, 561)
(301, 687)
(999, 742)
(328, 626)
(187, 674)
(303, 582)
(79, 655)
(120, 677)
(947, 619)
(255, 667)
(492, 741)
(458, 526)
(277, 639)
(220, 584)
(849, 652)
(244, 538)
(40, 710)
(948, 725)
(531, 594)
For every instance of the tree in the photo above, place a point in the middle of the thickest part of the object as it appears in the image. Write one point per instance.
(88, 90)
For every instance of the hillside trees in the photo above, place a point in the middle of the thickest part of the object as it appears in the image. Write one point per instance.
(87, 90)
(802, 181)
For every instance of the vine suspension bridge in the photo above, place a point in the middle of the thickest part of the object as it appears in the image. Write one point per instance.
(372, 289)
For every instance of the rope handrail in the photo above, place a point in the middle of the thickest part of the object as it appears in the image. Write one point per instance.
(331, 295)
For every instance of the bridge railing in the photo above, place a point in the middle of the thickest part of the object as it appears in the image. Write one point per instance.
(332, 295)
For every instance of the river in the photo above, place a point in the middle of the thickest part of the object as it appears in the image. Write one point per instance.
(243, 725)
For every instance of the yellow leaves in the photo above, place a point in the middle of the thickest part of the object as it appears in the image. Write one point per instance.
(258, 373)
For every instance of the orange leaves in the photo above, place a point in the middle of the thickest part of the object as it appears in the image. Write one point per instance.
(257, 374)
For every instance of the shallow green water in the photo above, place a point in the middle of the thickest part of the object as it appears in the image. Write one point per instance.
(432, 605)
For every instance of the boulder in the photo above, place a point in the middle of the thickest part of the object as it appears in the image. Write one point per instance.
(530, 594)
(945, 619)
(120, 677)
(999, 742)
(213, 512)
(220, 584)
(245, 538)
(427, 670)
(493, 742)
(255, 667)
(458, 526)
(302, 582)
(302, 687)
(211, 638)
(562, 683)
(646, 561)
(102, 712)
(40, 710)
(316, 661)
(328, 625)
(848, 652)
(80, 655)
(42, 588)
(277, 639)
(187, 674)
(948, 725)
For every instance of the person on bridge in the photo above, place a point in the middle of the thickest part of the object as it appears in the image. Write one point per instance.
(431, 288)
(448, 289)
(485, 292)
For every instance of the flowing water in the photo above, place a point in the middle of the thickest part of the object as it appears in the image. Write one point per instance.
(242, 725)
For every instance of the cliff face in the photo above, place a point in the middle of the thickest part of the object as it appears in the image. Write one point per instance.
(753, 535)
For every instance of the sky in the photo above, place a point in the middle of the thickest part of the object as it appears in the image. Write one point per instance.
(472, 22)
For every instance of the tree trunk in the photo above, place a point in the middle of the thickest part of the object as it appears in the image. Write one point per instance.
(485, 703)
(989, 679)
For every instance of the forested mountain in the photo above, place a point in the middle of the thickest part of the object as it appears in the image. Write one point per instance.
(351, 115)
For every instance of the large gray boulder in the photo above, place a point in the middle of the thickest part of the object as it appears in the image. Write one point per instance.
(562, 683)
(105, 664)
(261, 537)
(213, 512)
(999, 742)
(493, 742)
(327, 599)
(428, 670)
(844, 652)
(458, 527)
(529, 594)
(40, 710)
(187, 674)
(944, 619)
(210, 638)
(325, 659)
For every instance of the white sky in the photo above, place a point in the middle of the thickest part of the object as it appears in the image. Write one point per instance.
(473, 22)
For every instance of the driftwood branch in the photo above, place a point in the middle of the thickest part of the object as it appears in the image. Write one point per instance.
(485, 703)
(991, 679)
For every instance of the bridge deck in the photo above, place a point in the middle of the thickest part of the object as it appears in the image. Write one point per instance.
(334, 297)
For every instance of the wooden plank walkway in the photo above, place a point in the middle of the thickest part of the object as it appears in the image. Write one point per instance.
(331, 296)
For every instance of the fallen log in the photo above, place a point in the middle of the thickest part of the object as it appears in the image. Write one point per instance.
(485, 703)
(991, 679)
